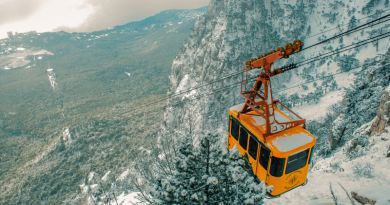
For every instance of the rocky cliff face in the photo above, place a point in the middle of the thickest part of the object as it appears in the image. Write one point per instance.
(382, 119)
(230, 33)
(234, 31)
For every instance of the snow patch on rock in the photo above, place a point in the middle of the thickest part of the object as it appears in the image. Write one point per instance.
(127, 199)
(317, 111)
(106, 175)
(123, 175)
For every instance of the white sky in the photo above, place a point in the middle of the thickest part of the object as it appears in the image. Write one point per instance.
(80, 15)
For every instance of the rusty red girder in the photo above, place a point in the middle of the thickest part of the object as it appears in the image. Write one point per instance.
(259, 97)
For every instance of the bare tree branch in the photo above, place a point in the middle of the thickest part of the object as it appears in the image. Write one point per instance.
(334, 198)
(346, 192)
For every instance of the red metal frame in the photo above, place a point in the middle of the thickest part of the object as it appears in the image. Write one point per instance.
(259, 98)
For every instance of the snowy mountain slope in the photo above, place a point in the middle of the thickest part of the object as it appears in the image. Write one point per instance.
(230, 33)
(233, 31)
(368, 174)
(316, 111)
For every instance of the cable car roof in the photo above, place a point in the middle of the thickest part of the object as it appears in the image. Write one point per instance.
(284, 141)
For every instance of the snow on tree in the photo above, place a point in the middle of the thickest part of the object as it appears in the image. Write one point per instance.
(347, 62)
(370, 6)
(358, 108)
(208, 175)
(353, 22)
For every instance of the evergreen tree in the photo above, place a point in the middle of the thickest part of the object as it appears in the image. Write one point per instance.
(347, 62)
(358, 107)
(208, 175)
(352, 23)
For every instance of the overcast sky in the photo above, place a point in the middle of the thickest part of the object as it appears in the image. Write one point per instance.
(80, 15)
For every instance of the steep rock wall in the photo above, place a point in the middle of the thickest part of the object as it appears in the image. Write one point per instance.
(231, 32)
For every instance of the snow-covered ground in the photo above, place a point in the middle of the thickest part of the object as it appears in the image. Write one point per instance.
(316, 111)
(185, 84)
(21, 58)
(52, 78)
(127, 199)
(367, 175)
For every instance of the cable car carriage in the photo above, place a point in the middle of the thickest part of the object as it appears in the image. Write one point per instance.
(272, 136)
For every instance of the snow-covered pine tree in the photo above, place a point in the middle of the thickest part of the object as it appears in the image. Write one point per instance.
(358, 107)
(353, 22)
(170, 188)
(208, 175)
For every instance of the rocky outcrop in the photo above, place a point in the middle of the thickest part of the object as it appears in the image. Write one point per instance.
(382, 119)
(362, 199)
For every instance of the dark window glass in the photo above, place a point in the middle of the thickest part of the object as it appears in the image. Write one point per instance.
(253, 145)
(264, 156)
(297, 161)
(234, 128)
(277, 166)
(243, 137)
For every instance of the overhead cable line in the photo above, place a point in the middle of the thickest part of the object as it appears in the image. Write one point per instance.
(299, 64)
(346, 48)
(343, 24)
(355, 29)
(233, 85)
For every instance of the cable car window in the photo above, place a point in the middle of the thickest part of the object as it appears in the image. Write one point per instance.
(277, 166)
(253, 146)
(234, 128)
(243, 138)
(297, 161)
(264, 156)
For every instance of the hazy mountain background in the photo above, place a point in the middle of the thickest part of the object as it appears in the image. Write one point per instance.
(67, 103)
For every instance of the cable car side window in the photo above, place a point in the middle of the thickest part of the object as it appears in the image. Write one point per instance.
(234, 128)
(264, 156)
(297, 161)
(253, 146)
(277, 166)
(243, 138)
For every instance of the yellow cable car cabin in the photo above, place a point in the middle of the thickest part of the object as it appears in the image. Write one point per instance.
(282, 160)
(272, 136)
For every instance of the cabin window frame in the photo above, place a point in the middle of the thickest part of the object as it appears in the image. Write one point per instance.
(296, 161)
(260, 146)
(277, 171)
(263, 147)
(242, 128)
(253, 139)
(234, 121)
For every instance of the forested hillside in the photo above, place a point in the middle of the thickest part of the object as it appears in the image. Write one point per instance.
(68, 103)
